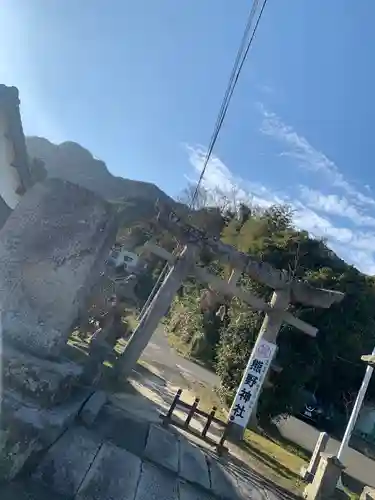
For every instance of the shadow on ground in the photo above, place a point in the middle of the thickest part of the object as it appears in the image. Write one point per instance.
(149, 392)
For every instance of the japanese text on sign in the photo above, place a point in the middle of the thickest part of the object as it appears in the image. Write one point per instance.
(251, 383)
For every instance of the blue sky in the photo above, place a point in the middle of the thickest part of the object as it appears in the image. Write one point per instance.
(140, 83)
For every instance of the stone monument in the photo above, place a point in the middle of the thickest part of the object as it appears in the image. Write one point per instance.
(53, 247)
(14, 165)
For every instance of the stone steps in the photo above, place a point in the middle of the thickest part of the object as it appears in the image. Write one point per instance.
(123, 458)
(120, 458)
(80, 465)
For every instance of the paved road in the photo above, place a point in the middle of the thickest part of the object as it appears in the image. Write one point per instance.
(358, 466)
(159, 351)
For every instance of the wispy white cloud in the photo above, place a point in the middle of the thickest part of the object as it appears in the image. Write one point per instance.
(308, 157)
(218, 177)
(266, 89)
(355, 246)
(334, 204)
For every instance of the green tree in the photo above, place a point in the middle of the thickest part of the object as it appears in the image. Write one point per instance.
(329, 365)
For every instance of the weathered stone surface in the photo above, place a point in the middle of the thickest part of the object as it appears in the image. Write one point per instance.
(5, 211)
(52, 249)
(15, 172)
(193, 465)
(112, 423)
(249, 489)
(188, 492)
(92, 408)
(113, 475)
(162, 447)
(18, 442)
(28, 490)
(223, 484)
(46, 381)
(68, 460)
(27, 429)
(368, 493)
(156, 484)
(325, 480)
(51, 423)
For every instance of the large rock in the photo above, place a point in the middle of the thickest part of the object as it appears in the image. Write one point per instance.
(46, 381)
(52, 249)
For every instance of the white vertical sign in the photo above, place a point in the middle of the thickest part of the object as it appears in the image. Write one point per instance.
(251, 383)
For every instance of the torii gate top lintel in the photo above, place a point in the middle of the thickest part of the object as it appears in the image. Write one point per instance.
(262, 272)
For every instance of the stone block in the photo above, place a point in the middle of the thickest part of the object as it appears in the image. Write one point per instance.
(52, 249)
(35, 379)
(18, 442)
(156, 484)
(25, 430)
(91, 409)
(188, 492)
(67, 462)
(223, 484)
(368, 493)
(123, 430)
(51, 423)
(28, 490)
(249, 489)
(113, 475)
(325, 480)
(193, 464)
(162, 447)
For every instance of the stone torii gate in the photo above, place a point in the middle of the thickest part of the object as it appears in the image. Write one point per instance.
(286, 290)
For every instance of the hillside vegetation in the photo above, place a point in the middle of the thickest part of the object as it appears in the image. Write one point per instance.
(328, 365)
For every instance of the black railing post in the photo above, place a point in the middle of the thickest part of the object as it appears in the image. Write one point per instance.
(191, 412)
(209, 420)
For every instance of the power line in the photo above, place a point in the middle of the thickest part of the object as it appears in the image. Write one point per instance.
(233, 79)
(237, 68)
(226, 95)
